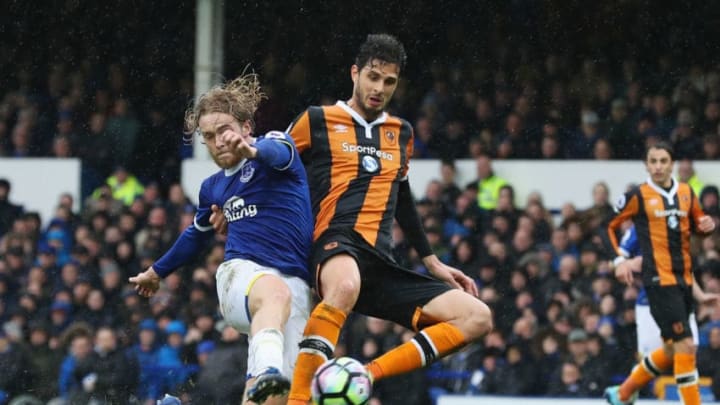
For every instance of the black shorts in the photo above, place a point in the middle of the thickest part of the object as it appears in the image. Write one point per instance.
(671, 307)
(387, 291)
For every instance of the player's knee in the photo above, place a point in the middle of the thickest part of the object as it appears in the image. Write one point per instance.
(281, 296)
(342, 294)
(478, 321)
(686, 345)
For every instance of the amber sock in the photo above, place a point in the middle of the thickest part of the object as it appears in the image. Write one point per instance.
(431, 343)
(320, 337)
(686, 376)
(649, 367)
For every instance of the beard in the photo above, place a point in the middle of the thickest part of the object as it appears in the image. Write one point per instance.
(369, 113)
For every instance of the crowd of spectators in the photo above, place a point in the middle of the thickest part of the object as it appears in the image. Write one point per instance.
(110, 88)
(73, 328)
(119, 98)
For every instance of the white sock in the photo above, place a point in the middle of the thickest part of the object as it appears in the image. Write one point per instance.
(266, 350)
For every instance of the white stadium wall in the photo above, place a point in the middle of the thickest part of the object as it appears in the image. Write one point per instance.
(558, 181)
(37, 183)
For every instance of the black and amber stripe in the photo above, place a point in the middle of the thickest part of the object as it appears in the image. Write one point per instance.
(666, 248)
(344, 193)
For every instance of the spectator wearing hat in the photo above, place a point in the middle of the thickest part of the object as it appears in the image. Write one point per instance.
(594, 374)
(203, 351)
(47, 260)
(60, 316)
(111, 282)
(146, 353)
(173, 355)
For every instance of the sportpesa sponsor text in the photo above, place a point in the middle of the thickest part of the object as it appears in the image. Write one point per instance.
(370, 150)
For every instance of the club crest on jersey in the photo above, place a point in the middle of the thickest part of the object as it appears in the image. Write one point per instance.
(370, 164)
(235, 209)
(246, 172)
(390, 136)
(620, 203)
(672, 222)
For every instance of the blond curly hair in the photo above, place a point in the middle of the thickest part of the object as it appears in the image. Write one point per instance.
(239, 98)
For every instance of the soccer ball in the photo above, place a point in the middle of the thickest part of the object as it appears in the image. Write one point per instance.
(341, 381)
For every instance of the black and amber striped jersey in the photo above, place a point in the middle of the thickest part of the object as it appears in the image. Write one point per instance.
(664, 221)
(354, 169)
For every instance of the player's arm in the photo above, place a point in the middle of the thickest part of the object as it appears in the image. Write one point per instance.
(185, 248)
(622, 265)
(704, 224)
(275, 150)
(409, 220)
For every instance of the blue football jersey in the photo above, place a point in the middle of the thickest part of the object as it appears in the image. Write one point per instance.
(629, 243)
(267, 210)
(630, 247)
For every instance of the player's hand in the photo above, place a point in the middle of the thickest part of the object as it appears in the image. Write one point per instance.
(146, 283)
(218, 220)
(238, 144)
(706, 224)
(454, 277)
(624, 270)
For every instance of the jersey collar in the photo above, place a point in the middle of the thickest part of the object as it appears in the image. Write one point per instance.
(669, 195)
(231, 171)
(379, 120)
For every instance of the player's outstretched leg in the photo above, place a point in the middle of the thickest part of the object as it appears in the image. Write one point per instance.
(463, 319)
(651, 366)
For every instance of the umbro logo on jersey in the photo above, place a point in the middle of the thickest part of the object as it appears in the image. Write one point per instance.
(340, 128)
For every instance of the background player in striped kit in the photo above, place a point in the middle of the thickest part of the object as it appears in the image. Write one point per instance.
(664, 212)
(262, 189)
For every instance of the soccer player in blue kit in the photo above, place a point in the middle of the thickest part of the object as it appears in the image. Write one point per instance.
(262, 188)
